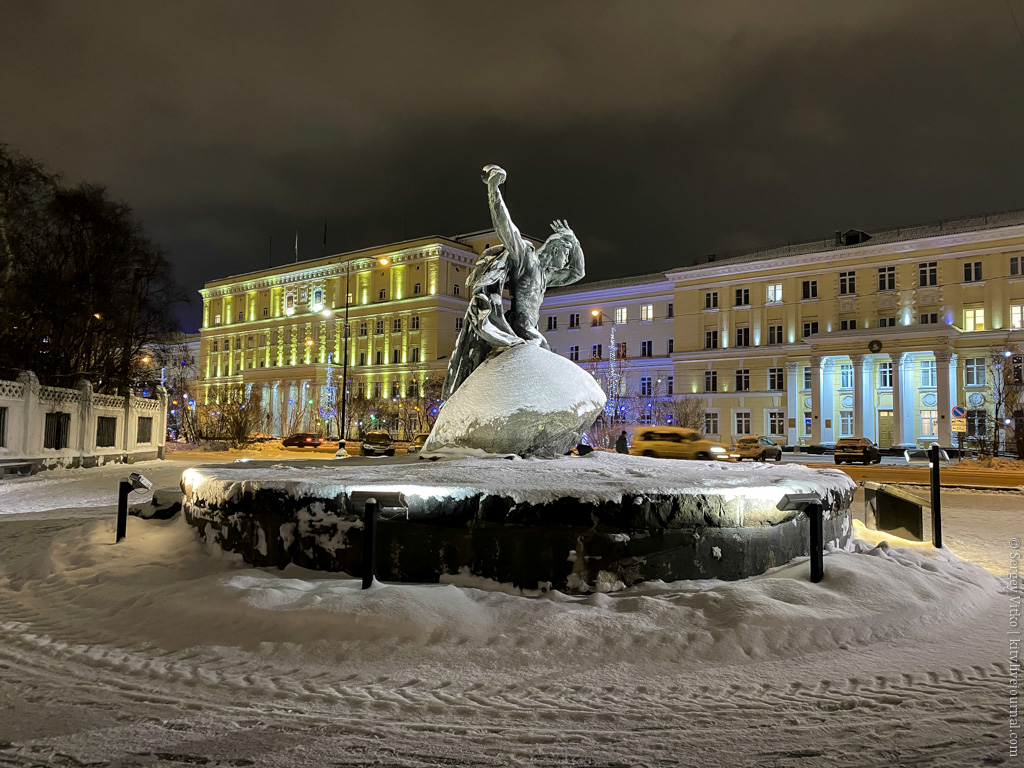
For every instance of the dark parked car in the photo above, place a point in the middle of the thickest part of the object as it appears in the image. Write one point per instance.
(417, 442)
(757, 448)
(852, 449)
(302, 440)
(377, 444)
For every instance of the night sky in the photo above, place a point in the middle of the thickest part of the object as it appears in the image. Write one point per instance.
(662, 131)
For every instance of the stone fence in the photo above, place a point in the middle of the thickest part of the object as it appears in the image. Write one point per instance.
(56, 427)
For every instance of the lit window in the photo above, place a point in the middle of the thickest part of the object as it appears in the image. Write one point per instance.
(1017, 316)
(774, 292)
(929, 423)
(845, 423)
(646, 311)
(885, 375)
(974, 319)
(845, 376)
(620, 315)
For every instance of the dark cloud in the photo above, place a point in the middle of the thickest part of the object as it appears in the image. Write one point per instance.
(661, 131)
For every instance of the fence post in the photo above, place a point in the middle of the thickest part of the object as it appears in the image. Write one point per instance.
(32, 427)
(936, 488)
(369, 542)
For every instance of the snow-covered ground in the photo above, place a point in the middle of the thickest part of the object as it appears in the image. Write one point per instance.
(157, 651)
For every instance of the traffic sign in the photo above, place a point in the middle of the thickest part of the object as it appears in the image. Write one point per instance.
(959, 425)
(958, 412)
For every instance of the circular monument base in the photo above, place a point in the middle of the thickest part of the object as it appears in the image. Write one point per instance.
(598, 521)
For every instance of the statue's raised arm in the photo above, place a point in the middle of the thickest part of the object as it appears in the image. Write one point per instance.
(494, 176)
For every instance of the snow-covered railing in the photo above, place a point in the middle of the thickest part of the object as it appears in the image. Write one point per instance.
(56, 426)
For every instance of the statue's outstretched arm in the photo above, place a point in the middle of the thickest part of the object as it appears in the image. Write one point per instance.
(507, 231)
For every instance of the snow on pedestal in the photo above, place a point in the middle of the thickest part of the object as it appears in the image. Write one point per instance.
(526, 401)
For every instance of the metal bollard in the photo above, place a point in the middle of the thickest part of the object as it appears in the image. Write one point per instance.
(123, 489)
(936, 487)
(369, 542)
(810, 504)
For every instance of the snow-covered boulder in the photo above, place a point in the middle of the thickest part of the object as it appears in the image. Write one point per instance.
(526, 400)
(164, 505)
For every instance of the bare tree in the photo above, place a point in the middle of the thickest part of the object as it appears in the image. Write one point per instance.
(688, 411)
(239, 413)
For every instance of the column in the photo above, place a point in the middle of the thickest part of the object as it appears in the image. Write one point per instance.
(942, 391)
(858, 394)
(816, 409)
(866, 406)
(792, 404)
(897, 401)
(828, 410)
(908, 388)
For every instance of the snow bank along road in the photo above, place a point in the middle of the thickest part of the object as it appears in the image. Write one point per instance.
(156, 652)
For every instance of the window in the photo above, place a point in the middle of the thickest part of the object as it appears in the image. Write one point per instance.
(808, 375)
(646, 349)
(241, 316)
(215, 346)
(216, 319)
(379, 357)
(552, 323)
(144, 430)
(974, 319)
(396, 325)
(972, 271)
(810, 328)
(596, 318)
(415, 352)
(382, 294)
(847, 325)
(378, 327)
(671, 310)
(1017, 315)
(646, 418)
(775, 334)
(574, 320)
(974, 372)
(847, 283)
(412, 389)
(57, 430)
(846, 376)
(929, 423)
(671, 385)
(396, 389)
(810, 289)
(742, 422)
(711, 339)
(645, 386)
(887, 322)
(378, 388)
(671, 346)
(1016, 265)
(361, 389)
(596, 352)
(266, 311)
(574, 353)
(774, 292)
(885, 375)
(928, 377)
(362, 329)
(742, 379)
(318, 297)
(414, 323)
(742, 297)
(646, 311)
(1017, 369)
(807, 423)
(396, 356)
(3, 427)
(928, 274)
(777, 422)
(742, 337)
(458, 324)
(845, 423)
(710, 300)
(887, 278)
(976, 423)
(710, 381)
(776, 379)
(929, 318)
(620, 315)
(106, 431)
(238, 342)
(417, 289)
(711, 422)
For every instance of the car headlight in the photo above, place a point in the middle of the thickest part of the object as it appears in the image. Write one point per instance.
(717, 449)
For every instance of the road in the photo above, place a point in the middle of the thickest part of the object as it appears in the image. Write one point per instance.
(896, 470)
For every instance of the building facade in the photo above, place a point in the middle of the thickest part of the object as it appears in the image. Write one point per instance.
(862, 335)
(278, 329)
